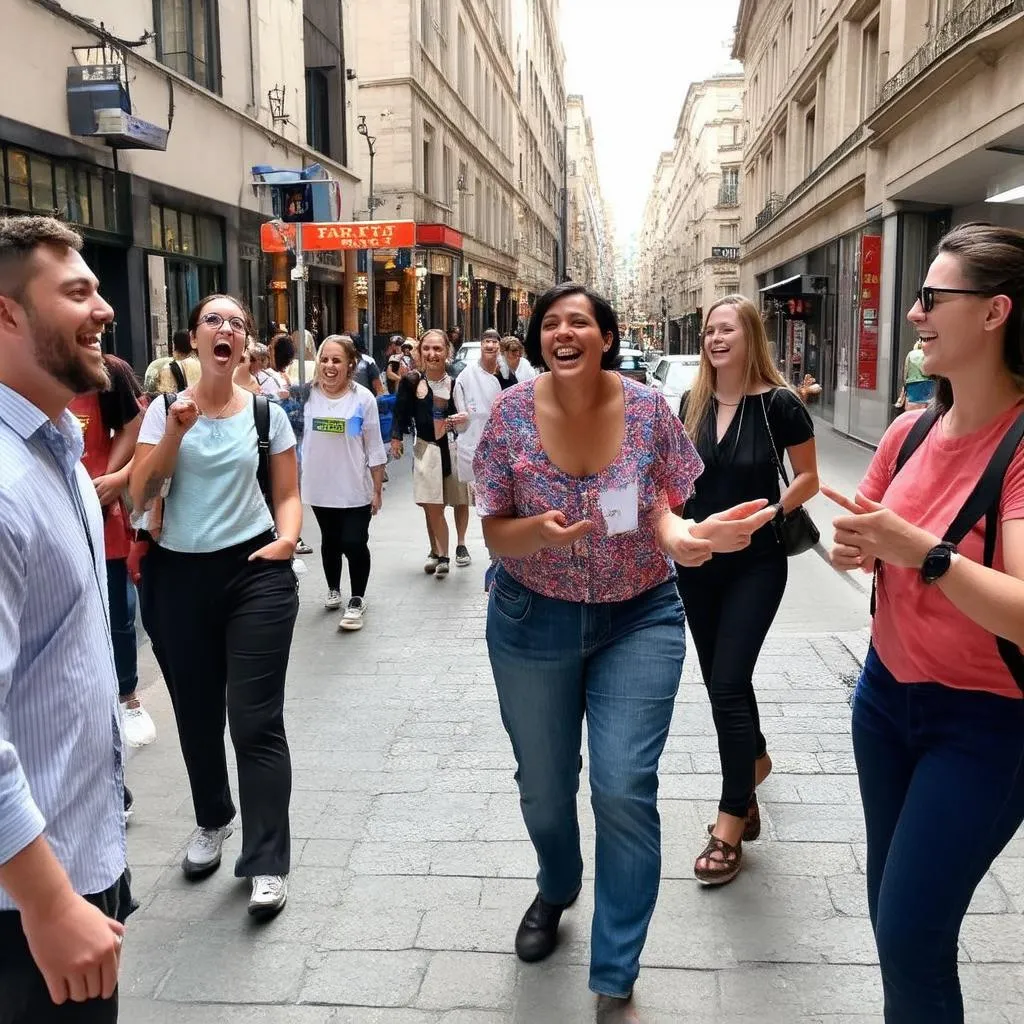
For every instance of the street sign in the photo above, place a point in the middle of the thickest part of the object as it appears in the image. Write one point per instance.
(725, 252)
(360, 234)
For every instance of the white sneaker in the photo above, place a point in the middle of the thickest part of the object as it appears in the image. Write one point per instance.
(139, 729)
(269, 895)
(203, 854)
(333, 600)
(353, 617)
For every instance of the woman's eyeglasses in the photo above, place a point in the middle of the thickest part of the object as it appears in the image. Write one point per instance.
(215, 320)
(926, 295)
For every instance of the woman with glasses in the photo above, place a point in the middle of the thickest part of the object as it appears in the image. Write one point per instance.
(938, 714)
(222, 598)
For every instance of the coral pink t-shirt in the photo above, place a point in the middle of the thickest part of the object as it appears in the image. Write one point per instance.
(918, 633)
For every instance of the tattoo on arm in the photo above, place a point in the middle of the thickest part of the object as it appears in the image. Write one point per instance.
(152, 489)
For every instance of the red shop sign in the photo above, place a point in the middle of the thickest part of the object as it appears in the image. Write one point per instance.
(364, 234)
(870, 306)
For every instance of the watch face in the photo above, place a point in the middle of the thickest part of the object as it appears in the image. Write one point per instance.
(937, 563)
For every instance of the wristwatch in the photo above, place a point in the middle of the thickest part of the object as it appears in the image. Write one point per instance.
(937, 562)
(780, 512)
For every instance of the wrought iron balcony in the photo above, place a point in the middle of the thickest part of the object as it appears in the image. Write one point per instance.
(770, 211)
(960, 25)
(728, 195)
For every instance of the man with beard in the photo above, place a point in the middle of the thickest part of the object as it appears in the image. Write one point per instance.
(63, 878)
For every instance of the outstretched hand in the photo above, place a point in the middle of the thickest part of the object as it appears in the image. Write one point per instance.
(733, 528)
(553, 532)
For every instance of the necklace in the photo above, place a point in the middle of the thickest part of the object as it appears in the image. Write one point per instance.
(220, 412)
(729, 405)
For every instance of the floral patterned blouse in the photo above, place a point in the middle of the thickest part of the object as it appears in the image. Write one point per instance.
(515, 477)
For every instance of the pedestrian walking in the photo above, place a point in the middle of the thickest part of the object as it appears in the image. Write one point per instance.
(576, 476)
(938, 714)
(514, 364)
(222, 596)
(918, 387)
(64, 893)
(744, 420)
(425, 401)
(177, 373)
(110, 421)
(343, 460)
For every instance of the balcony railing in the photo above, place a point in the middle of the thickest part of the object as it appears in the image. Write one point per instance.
(728, 195)
(969, 19)
(771, 210)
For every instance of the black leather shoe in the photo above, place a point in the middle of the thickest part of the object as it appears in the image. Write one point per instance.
(538, 931)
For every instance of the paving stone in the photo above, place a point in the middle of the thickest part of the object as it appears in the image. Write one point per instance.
(359, 978)
(476, 981)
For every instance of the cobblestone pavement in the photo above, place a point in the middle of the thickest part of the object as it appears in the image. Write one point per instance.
(412, 866)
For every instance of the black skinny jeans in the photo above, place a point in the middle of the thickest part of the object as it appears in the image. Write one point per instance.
(730, 603)
(223, 626)
(24, 997)
(345, 532)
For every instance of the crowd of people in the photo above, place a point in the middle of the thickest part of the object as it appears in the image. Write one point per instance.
(611, 522)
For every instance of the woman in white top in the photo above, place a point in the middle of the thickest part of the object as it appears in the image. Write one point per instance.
(223, 597)
(476, 388)
(343, 460)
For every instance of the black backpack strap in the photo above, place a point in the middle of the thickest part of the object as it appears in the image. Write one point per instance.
(261, 416)
(178, 374)
(169, 399)
(917, 433)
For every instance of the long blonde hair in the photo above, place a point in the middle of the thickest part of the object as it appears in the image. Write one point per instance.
(759, 369)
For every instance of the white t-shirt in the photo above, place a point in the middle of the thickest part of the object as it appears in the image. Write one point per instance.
(271, 383)
(340, 442)
(524, 371)
(215, 500)
(475, 392)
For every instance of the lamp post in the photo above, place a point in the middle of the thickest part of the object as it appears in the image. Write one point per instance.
(664, 325)
(371, 205)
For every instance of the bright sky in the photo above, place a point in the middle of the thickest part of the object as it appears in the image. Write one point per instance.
(633, 60)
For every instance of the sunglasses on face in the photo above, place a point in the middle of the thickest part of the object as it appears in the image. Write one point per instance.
(215, 320)
(926, 295)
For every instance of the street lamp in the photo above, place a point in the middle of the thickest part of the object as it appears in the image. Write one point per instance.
(664, 325)
(372, 203)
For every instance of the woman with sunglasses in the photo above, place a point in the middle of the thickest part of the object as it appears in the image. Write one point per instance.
(938, 714)
(222, 599)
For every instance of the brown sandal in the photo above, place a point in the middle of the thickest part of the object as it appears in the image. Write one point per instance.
(751, 823)
(718, 871)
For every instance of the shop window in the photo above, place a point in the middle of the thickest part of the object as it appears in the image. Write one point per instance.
(172, 236)
(156, 231)
(17, 180)
(188, 233)
(42, 183)
(211, 238)
(80, 207)
(97, 200)
(188, 39)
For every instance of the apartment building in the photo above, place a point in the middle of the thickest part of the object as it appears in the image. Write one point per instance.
(873, 127)
(590, 250)
(540, 173)
(191, 95)
(691, 239)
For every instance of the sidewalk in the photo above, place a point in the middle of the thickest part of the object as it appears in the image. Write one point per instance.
(412, 866)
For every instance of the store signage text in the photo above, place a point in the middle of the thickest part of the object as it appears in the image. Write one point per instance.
(870, 302)
(384, 234)
(725, 252)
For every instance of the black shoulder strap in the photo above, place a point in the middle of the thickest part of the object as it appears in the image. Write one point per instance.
(261, 416)
(918, 432)
(169, 399)
(178, 374)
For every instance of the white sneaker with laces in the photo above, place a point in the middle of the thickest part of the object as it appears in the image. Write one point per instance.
(139, 730)
(269, 895)
(353, 617)
(333, 600)
(202, 857)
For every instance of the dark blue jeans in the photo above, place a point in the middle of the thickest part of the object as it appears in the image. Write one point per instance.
(941, 776)
(619, 664)
(121, 599)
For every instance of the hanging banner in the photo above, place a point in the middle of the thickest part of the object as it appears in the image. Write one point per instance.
(360, 234)
(870, 305)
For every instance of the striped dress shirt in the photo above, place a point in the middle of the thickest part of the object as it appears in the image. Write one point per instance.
(61, 771)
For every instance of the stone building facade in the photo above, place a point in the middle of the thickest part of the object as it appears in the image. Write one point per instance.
(590, 250)
(163, 195)
(690, 240)
(872, 128)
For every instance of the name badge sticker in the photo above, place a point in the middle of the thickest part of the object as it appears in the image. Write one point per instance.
(620, 508)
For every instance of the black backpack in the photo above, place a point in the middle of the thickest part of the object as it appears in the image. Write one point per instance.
(261, 416)
(982, 501)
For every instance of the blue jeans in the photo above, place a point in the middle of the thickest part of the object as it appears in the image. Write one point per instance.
(122, 601)
(620, 664)
(941, 776)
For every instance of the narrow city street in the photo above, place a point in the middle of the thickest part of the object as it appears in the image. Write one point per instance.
(411, 866)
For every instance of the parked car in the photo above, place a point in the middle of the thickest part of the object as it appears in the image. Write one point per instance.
(674, 376)
(469, 352)
(632, 364)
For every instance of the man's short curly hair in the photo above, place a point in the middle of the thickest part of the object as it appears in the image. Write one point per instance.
(19, 239)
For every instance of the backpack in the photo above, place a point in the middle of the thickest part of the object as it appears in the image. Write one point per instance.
(261, 417)
(178, 374)
(982, 501)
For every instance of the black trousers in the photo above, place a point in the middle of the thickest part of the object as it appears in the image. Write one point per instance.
(223, 626)
(730, 603)
(345, 532)
(24, 997)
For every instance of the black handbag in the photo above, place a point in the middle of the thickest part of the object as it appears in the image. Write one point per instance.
(796, 531)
